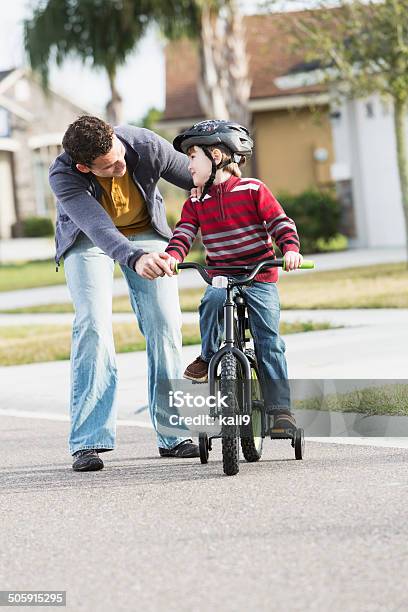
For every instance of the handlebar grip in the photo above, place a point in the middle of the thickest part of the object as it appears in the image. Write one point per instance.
(176, 268)
(307, 264)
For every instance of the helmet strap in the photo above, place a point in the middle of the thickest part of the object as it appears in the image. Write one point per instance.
(214, 168)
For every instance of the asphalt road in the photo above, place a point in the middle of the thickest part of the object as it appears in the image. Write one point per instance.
(153, 534)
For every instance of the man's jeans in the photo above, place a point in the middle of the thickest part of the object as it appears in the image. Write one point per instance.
(263, 312)
(89, 274)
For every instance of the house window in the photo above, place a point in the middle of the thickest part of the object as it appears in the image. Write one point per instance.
(45, 200)
(369, 110)
(4, 123)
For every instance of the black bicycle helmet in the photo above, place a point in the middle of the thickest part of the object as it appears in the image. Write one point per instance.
(233, 136)
(211, 132)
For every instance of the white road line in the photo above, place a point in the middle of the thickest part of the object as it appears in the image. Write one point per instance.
(27, 414)
(384, 442)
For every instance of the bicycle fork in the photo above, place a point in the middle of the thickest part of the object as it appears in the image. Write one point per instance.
(230, 348)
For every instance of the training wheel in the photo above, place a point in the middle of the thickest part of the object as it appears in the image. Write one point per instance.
(299, 443)
(203, 447)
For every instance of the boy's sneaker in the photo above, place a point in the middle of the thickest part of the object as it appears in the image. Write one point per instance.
(87, 460)
(284, 420)
(197, 370)
(185, 450)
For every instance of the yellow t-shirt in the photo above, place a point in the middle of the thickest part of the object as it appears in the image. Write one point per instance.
(124, 203)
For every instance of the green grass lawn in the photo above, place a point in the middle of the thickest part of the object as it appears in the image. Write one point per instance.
(388, 399)
(30, 274)
(384, 286)
(27, 275)
(36, 343)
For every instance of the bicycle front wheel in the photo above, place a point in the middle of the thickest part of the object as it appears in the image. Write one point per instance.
(229, 427)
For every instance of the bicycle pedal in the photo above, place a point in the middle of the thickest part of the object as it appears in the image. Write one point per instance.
(281, 433)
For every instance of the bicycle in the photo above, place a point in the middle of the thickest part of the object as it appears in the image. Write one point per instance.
(238, 378)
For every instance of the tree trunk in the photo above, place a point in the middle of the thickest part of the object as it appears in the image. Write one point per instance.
(236, 59)
(209, 89)
(400, 112)
(224, 86)
(114, 110)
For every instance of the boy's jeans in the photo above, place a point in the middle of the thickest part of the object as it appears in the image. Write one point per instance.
(89, 274)
(263, 310)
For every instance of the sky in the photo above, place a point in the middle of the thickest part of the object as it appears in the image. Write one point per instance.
(141, 81)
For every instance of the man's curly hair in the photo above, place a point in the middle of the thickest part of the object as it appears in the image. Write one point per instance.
(86, 139)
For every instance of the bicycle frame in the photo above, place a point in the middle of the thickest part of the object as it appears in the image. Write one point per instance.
(230, 450)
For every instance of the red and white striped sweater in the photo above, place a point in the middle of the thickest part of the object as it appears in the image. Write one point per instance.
(238, 220)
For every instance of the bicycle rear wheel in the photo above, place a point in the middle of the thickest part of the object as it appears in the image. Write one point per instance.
(251, 434)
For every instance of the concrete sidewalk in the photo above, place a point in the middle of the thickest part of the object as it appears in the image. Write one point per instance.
(350, 353)
(190, 278)
(348, 317)
(19, 249)
(59, 294)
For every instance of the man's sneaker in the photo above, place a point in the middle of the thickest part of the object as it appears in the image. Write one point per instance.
(185, 450)
(87, 460)
(197, 370)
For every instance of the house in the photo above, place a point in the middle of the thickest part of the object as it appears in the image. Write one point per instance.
(32, 123)
(366, 164)
(301, 140)
(290, 139)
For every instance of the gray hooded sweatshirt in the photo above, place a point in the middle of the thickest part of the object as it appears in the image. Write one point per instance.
(148, 158)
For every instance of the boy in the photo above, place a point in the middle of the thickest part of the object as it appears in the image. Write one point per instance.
(238, 219)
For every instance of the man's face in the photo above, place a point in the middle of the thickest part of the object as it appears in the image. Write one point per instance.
(108, 165)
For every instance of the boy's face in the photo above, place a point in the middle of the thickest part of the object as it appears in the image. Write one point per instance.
(111, 164)
(199, 166)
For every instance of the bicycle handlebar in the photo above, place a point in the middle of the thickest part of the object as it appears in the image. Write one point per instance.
(307, 264)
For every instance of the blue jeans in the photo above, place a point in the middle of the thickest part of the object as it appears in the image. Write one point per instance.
(89, 275)
(263, 305)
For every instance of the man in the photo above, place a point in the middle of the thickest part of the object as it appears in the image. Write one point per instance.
(110, 209)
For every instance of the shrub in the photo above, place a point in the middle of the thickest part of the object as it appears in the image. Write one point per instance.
(317, 217)
(36, 227)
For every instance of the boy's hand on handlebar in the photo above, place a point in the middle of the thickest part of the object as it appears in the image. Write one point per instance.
(171, 262)
(293, 260)
(153, 265)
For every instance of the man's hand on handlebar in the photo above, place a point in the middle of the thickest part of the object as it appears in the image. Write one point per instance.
(293, 260)
(153, 265)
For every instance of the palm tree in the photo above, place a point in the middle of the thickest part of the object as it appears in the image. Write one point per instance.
(103, 31)
(108, 30)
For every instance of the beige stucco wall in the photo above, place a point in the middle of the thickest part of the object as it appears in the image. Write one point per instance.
(7, 211)
(50, 115)
(285, 142)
